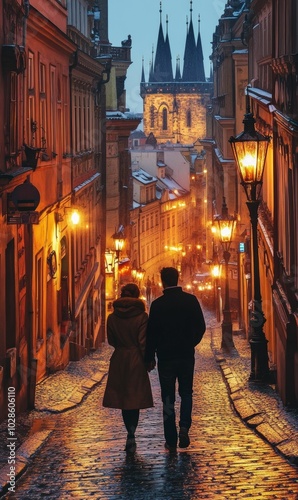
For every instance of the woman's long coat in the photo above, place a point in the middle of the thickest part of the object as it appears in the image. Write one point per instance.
(128, 385)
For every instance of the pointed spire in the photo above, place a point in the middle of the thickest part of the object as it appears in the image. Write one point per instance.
(151, 73)
(159, 54)
(211, 72)
(200, 57)
(143, 71)
(162, 69)
(178, 72)
(190, 69)
(168, 57)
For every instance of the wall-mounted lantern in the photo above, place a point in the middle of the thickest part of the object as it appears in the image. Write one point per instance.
(32, 155)
(52, 264)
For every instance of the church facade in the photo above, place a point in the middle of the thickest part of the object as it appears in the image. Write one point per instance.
(174, 105)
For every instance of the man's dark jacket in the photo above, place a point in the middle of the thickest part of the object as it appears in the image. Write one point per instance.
(176, 325)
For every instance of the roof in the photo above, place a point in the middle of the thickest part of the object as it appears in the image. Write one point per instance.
(137, 134)
(143, 177)
(175, 190)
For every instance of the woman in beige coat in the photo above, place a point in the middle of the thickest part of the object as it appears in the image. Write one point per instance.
(128, 385)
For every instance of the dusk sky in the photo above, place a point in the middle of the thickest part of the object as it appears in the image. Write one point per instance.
(140, 19)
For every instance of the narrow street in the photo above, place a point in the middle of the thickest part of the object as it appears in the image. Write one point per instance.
(84, 458)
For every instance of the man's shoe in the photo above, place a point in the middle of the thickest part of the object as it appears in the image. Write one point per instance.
(184, 440)
(131, 445)
(172, 449)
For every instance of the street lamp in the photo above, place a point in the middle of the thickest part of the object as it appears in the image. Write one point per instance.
(118, 238)
(250, 150)
(74, 219)
(140, 275)
(226, 224)
(215, 272)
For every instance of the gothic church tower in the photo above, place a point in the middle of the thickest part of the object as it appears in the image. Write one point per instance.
(174, 107)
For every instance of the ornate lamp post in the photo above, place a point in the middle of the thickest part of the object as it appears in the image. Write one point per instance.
(118, 238)
(250, 150)
(226, 224)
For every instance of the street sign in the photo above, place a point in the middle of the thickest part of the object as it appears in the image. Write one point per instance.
(23, 218)
(241, 247)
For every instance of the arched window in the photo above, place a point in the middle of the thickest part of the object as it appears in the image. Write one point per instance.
(188, 118)
(151, 116)
(164, 119)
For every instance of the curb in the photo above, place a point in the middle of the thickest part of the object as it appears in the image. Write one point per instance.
(22, 460)
(253, 418)
(34, 442)
(77, 396)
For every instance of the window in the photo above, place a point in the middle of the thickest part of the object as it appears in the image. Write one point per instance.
(13, 114)
(75, 114)
(42, 79)
(164, 119)
(188, 118)
(65, 128)
(151, 116)
(30, 71)
(42, 101)
(53, 108)
(31, 96)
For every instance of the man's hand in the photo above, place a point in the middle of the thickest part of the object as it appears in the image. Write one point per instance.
(150, 365)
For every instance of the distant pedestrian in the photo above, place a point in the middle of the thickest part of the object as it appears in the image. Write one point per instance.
(153, 289)
(176, 325)
(128, 386)
(148, 290)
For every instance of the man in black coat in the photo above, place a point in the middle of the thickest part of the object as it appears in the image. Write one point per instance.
(176, 325)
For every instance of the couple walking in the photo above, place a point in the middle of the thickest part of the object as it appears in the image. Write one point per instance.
(174, 327)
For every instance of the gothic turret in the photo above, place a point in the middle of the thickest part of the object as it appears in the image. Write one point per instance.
(162, 69)
(178, 72)
(190, 67)
(168, 57)
(200, 58)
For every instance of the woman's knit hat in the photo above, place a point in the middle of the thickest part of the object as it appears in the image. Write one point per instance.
(130, 290)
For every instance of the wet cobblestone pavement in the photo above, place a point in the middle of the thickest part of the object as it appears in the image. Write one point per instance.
(82, 456)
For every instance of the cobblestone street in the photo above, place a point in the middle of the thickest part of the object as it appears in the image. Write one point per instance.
(84, 455)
